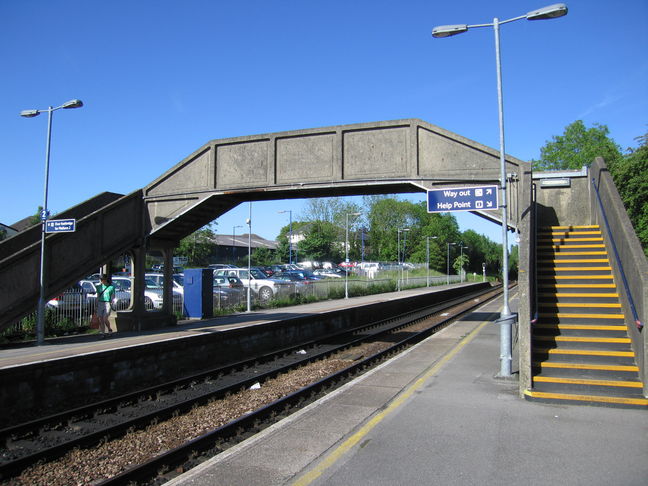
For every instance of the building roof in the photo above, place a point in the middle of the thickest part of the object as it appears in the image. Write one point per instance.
(242, 241)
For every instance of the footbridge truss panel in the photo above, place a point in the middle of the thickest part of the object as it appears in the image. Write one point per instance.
(370, 158)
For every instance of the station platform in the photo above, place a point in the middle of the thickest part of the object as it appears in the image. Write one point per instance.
(70, 346)
(437, 414)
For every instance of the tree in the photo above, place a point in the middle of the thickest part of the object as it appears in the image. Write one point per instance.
(197, 247)
(630, 176)
(577, 148)
(3, 234)
(320, 243)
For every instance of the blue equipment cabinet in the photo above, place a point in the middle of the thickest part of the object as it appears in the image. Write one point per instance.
(198, 293)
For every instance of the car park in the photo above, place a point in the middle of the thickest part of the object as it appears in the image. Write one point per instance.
(158, 279)
(229, 290)
(73, 300)
(264, 288)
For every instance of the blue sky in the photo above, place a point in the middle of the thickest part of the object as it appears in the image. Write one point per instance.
(161, 78)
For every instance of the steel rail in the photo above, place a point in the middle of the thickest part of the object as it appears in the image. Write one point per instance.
(14, 467)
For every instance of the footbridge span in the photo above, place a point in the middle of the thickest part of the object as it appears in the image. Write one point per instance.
(371, 158)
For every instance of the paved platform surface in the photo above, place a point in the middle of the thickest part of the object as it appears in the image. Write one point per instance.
(64, 347)
(437, 415)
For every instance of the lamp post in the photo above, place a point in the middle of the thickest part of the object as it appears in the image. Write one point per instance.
(249, 223)
(427, 247)
(403, 230)
(346, 254)
(461, 260)
(234, 242)
(448, 264)
(290, 238)
(549, 12)
(40, 323)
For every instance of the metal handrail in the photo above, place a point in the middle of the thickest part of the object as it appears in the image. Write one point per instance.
(635, 315)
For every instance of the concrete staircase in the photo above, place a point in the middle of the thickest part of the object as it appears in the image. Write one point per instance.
(581, 352)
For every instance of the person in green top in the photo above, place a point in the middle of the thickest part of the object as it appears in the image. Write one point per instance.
(105, 295)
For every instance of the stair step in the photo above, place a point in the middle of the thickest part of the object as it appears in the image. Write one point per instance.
(587, 399)
(571, 253)
(590, 287)
(570, 227)
(585, 366)
(588, 382)
(580, 305)
(584, 352)
(583, 339)
(577, 327)
(601, 295)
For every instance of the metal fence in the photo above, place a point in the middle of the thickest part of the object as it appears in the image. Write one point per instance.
(72, 311)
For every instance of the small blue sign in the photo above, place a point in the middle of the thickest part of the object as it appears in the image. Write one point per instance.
(475, 198)
(60, 226)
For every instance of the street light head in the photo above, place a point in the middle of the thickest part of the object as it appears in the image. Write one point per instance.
(29, 113)
(72, 104)
(549, 12)
(448, 30)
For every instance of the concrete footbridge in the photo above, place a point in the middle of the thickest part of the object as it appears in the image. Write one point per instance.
(387, 157)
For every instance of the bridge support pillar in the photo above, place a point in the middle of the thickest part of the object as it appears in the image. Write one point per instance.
(137, 318)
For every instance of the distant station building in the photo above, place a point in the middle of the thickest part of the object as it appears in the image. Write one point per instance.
(231, 248)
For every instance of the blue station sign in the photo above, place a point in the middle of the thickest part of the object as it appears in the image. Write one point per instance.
(60, 225)
(474, 198)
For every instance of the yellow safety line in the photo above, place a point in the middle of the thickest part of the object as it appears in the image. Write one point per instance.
(575, 269)
(587, 398)
(579, 294)
(584, 366)
(558, 247)
(352, 441)
(573, 253)
(586, 352)
(574, 339)
(581, 226)
(583, 316)
(576, 277)
(586, 381)
(579, 327)
(575, 260)
(578, 286)
(580, 304)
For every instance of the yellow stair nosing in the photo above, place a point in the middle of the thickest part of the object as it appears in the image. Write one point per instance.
(585, 366)
(579, 294)
(558, 247)
(573, 253)
(575, 260)
(571, 226)
(579, 327)
(579, 339)
(578, 286)
(586, 352)
(575, 277)
(587, 381)
(575, 269)
(582, 316)
(600, 305)
(587, 398)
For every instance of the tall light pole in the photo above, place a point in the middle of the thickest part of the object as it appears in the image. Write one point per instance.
(448, 264)
(249, 223)
(427, 247)
(290, 238)
(346, 254)
(403, 230)
(40, 323)
(461, 260)
(234, 242)
(549, 12)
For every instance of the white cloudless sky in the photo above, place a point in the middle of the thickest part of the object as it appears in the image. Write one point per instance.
(161, 78)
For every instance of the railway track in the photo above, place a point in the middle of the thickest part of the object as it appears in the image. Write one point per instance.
(50, 438)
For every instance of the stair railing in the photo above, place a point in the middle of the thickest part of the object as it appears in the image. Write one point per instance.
(626, 287)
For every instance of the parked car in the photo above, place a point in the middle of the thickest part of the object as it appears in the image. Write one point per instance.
(296, 278)
(265, 288)
(229, 290)
(158, 278)
(72, 300)
(329, 273)
(152, 294)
